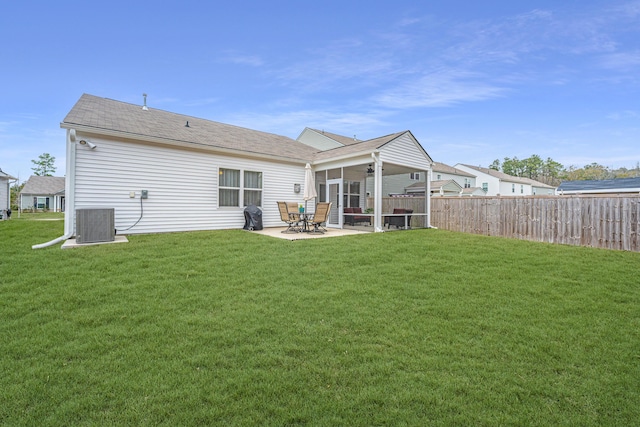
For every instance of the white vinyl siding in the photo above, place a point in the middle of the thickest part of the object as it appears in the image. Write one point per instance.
(182, 185)
(4, 195)
(405, 151)
(316, 140)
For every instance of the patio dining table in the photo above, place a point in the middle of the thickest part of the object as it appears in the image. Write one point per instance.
(305, 217)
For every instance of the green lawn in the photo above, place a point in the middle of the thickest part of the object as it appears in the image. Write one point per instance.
(421, 327)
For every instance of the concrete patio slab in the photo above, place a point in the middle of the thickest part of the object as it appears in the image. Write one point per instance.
(331, 232)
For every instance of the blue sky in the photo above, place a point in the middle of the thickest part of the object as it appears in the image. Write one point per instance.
(473, 81)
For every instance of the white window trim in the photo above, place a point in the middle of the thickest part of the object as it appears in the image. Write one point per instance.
(240, 189)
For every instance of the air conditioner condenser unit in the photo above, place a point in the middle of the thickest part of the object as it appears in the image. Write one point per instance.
(95, 225)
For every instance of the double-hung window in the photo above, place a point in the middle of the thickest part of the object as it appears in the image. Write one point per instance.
(252, 188)
(238, 188)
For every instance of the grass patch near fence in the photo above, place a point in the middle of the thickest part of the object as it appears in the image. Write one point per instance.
(421, 327)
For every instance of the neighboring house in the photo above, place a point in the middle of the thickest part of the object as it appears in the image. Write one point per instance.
(541, 189)
(442, 172)
(445, 181)
(473, 192)
(199, 175)
(5, 193)
(43, 193)
(601, 186)
(496, 183)
(439, 188)
(448, 187)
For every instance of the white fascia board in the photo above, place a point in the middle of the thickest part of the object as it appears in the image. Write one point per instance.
(366, 155)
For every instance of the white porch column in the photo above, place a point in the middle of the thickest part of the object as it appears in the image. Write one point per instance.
(427, 196)
(377, 197)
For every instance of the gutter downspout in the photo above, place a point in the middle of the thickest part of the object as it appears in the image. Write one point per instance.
(70, 183)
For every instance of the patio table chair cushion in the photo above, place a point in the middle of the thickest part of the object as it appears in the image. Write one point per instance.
(351, 219)
(398, 221)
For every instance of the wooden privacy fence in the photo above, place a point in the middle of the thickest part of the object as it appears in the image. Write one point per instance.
(610, 222)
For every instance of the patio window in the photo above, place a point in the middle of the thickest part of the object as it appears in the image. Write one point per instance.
(522, 189)
(237, 188)
(351, 194)
(252, 188)
(513, 188)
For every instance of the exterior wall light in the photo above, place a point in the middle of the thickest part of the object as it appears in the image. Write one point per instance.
(87, 143)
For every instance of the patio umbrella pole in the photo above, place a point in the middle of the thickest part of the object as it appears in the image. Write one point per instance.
(309, 186)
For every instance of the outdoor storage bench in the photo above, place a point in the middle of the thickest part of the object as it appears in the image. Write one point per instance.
(351, 219)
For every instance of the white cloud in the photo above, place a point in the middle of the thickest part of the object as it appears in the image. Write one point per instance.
(621, 61)
(242, 59)
(624, 115)
(291, 123)
(439, 89)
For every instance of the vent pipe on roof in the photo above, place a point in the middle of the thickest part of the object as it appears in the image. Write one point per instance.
(187, 125)
(144, 107)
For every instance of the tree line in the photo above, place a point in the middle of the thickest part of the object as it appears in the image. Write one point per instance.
(553, 173)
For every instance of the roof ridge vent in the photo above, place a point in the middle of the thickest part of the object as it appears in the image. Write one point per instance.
(144, 107)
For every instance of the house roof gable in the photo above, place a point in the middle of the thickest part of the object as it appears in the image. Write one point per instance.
(43, 185)
(369, 145)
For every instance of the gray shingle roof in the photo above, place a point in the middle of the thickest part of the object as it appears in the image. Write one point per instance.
(5, 175)
(600, 184)
(129, 120)
(358, 147)
(344, 140)
(103, 115)
(43, 185)
(442, 168)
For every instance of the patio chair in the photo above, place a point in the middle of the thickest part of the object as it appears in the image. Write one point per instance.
(320, 216)
(292, 219)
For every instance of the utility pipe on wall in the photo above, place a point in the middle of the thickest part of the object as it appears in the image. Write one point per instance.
(69, 186)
